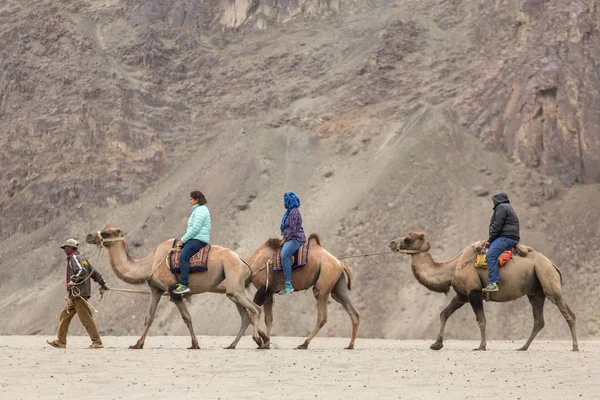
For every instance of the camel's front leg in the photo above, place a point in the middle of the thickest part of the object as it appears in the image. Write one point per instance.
(187, 318)
(268, 307)
(476, 300)
(457, 302)
(156, 295)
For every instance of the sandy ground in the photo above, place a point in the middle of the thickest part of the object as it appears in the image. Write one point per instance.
(377, 369)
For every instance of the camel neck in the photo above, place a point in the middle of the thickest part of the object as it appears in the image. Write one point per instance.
(134, 271)
(433, 275)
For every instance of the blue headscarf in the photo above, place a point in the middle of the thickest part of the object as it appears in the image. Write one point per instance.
(290, 201)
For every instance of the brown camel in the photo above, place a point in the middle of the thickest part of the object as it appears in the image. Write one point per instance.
(323, 272)
(222, 263)
(533, 275)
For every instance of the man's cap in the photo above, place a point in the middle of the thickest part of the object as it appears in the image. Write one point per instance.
(71, 243)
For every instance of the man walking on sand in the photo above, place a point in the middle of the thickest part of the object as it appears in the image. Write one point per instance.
(79, 272)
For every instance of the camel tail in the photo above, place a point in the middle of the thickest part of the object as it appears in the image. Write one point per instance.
(348, 273)
(249, 278)
(559, 273)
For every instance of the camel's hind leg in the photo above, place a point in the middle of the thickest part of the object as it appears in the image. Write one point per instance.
(245, 322)
(569, 315)
(476, 300)
(253, 312)
(457, 302)
(537, 304)
(187, 318)
(341, 295)
(156, 295)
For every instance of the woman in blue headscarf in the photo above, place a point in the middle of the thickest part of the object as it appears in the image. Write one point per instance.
(293, 237)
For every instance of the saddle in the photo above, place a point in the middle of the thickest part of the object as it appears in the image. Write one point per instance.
(198, 262)
(299, 259)
(520, 250)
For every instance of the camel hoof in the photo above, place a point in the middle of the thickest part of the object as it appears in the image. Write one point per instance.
(479, 349)
(265, 346)
(350, 347)
(522, 349)
(194, 346)
(303, 346)
(575, 348)
(436, 346)
(137, 346)
(230, 347)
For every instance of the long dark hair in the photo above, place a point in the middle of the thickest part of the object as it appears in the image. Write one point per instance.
(198, 195)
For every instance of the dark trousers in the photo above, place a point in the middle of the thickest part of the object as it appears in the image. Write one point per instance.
(497, 247)
(190, 248)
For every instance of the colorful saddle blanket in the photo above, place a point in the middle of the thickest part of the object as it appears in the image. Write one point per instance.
(198, 262)
(299, 259)
(481, 262)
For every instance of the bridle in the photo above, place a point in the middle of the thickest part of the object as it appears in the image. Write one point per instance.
(406, 251)
(107, 240)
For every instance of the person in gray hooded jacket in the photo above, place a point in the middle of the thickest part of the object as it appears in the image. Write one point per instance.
(503, 235)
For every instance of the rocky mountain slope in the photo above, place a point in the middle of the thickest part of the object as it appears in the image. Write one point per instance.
(382, 116)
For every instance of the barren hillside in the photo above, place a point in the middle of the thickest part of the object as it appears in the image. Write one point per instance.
(382, 116)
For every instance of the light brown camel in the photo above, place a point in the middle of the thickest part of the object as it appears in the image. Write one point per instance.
(323, 272)
(533, 275)
(152, 269)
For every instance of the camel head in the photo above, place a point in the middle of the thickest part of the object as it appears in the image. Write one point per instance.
(413, 243)
(106, 237)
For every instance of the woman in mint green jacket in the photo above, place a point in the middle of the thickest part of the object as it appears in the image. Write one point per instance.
(196, 237)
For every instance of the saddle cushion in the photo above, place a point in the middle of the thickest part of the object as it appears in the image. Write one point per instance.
(481, 262)
(299, 259)
(198, 262)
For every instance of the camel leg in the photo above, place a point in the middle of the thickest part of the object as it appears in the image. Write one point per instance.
(569, 317)
(322, 296)
(537, 304)
(457, 302)
(156, 295)
(340, 294)
(243, 327)
(476, 300)
(268, 307)
(187, 318)
(253, 312)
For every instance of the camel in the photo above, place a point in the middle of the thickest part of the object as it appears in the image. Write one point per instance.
(323, 272)
(222, 263)
(533, 275)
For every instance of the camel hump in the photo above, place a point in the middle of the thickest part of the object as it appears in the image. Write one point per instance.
(273, 243)
(314, 237)
(522, 250)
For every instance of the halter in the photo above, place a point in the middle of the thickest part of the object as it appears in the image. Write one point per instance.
(106, 240)
(405, 251)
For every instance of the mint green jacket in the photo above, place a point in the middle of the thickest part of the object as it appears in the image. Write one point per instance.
(198, 225)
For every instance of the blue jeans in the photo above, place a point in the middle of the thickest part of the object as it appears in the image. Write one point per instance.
(497, 247)
(288, 250)
(190, 248)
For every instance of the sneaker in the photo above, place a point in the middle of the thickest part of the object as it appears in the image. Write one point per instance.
(96, 346)
(57, 344)
(492, 287)
(181, 289)
(287, 289)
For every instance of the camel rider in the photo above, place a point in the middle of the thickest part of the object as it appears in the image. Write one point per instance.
(79, 272)
(196, 237)
(504, 235)
(292, 237)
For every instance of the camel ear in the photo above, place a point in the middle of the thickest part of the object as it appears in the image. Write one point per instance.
(422, 236)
